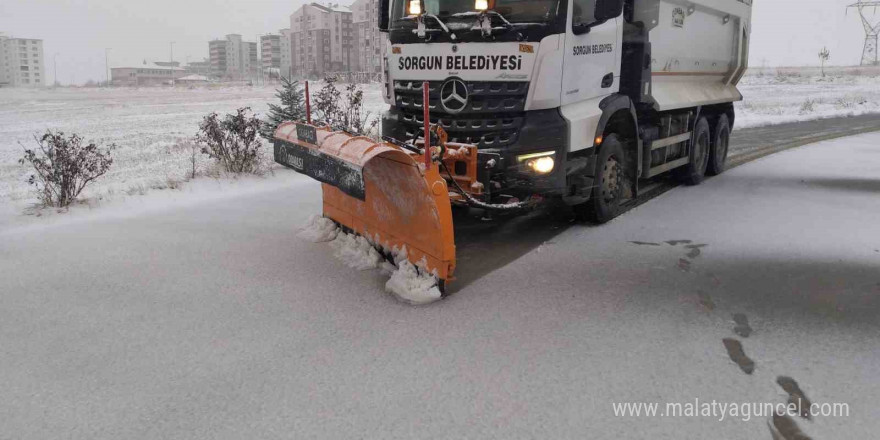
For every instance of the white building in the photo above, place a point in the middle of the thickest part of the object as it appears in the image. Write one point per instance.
(286, 70)
(233, 58)
(21, 62)
(321, 40)
(369, 43)
(270, 55)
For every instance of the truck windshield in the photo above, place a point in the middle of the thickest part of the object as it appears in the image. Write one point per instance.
(515, 11)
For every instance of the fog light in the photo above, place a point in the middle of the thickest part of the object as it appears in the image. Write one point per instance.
(541, 163)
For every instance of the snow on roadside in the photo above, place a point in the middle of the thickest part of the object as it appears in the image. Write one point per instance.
(19, 215)
(153, 127)
(406, 282)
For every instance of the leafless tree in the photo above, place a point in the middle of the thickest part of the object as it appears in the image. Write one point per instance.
(824, 56)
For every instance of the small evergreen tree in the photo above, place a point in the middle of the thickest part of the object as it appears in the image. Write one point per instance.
(292, 108)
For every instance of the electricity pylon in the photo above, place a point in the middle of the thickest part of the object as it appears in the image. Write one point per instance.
(869, 54)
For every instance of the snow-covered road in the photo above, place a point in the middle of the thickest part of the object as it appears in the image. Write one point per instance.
(209, 319)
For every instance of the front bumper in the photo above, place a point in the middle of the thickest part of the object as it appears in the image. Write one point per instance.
(541, 131)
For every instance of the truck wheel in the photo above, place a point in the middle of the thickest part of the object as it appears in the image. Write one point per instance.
(694, 172)
(604, 203)
(718, 152)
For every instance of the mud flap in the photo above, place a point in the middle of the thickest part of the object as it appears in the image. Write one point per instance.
(378, 191)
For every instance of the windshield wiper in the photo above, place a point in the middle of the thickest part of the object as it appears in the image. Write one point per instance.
(422, 31)
(486, 26)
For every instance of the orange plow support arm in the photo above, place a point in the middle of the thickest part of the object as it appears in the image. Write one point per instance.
(377, 190)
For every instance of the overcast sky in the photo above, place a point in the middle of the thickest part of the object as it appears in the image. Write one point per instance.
(784, 32)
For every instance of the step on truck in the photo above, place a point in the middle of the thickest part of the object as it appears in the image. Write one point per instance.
(525, 102)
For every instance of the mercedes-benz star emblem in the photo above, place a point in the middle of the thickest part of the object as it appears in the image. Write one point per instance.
(454, 96)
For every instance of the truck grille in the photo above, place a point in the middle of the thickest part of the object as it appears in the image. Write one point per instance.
(491, 120)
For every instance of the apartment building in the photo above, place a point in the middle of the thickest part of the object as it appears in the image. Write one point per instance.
(234, 59)
(250, 59)
(369, 43)
(217, 58)
(321, 40)
(270, 53)
(286, 70)
(21, 62)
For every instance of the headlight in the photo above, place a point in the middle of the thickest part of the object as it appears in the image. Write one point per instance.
(540, 163)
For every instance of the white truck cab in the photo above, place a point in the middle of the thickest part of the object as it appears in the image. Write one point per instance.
(570, 99)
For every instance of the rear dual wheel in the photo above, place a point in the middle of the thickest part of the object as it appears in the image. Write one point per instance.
(720, 143)
(695, 171)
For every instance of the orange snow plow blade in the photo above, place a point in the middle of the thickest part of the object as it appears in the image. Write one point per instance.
(377, 190)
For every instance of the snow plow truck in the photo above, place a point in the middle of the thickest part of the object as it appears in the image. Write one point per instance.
(504, 105)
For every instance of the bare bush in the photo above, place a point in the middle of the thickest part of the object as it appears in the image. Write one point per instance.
(63, 167)
(234, 141)
(344, 110)
(850, 102)
(808, 106)
(327, 102)
(786, 76)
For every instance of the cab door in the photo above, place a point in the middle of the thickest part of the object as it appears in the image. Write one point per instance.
(591, 64)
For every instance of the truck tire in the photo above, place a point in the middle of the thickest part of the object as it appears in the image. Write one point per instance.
(694, 172)
(720, 142)
(604, 203)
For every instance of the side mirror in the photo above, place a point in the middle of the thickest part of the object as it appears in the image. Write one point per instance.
(608, 9)
(604, 10)
(384, 15)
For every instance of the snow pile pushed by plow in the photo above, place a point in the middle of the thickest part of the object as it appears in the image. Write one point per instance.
(406, 281)
(356, 252)
(411, 286)
(318, 230)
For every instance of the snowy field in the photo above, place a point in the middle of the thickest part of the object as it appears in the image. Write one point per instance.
(775, 96)
(152, 127)
(209, 319)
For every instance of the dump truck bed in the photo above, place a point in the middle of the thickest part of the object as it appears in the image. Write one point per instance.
(699, 50)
